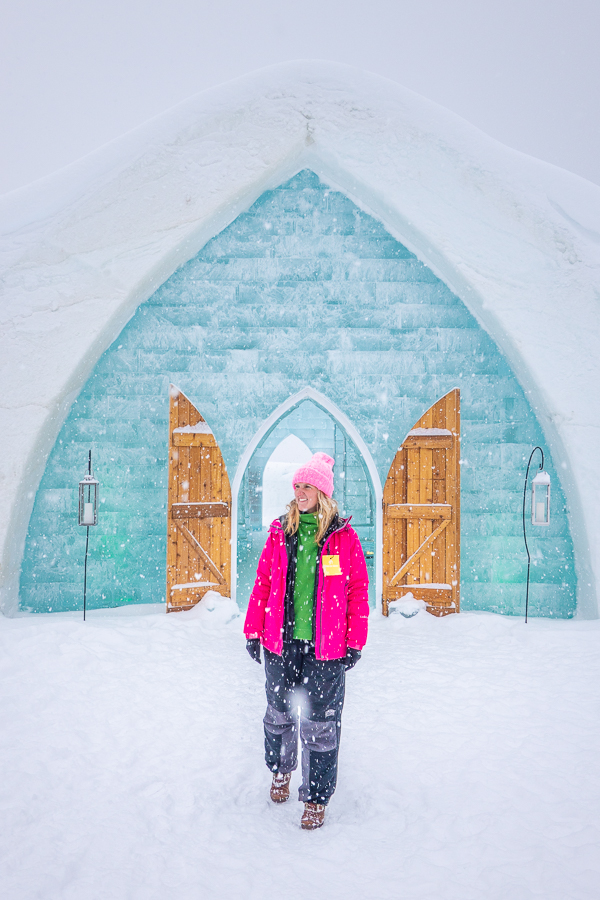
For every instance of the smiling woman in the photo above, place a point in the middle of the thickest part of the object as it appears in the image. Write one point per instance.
(308, 610)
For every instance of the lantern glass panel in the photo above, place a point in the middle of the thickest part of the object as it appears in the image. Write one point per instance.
(88, 501)
(540, 499)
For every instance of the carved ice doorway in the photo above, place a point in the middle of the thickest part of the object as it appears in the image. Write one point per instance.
(308, 422)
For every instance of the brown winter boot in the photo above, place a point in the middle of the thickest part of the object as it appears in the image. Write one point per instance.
(313, 816)
(280, 787)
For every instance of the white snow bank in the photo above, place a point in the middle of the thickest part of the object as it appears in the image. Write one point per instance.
(407, 606)
(198, 428)
(214, 610)
(133, 760)
(517, 239)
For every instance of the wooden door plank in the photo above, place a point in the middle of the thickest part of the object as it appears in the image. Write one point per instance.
(171, 491)
(430, 442)
(438, 419)
(457, 455)
(452, 408)
(431, 595)
(210, 464)
(452, 561)
(439, 558)
(419, 511)
(425, 476)
(218, 531)
(184, 411)
(193, 440)
(426, 420)
(425, 568)
(413, 493)
(199, 527)
(425, 524)
(184, 569)
(201, 510)
(438, 462)
(398, 530)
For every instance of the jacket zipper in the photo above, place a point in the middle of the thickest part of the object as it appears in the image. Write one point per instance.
(321, 592)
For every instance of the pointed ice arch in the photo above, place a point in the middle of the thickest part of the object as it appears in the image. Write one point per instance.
(274, 420)
(285, 459)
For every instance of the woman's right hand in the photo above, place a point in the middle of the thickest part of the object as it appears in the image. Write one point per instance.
(351, 658)
(253, 648)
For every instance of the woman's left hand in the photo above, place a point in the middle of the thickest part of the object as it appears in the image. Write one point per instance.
(253, 648)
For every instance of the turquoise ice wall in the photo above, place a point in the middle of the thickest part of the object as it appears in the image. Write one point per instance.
(303, 289)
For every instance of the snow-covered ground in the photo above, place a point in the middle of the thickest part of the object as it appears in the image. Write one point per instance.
(131, 759)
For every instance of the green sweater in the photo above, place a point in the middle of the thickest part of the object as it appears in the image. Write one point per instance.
(304, 586)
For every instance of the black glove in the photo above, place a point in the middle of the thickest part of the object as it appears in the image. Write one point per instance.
(351, 658)
(253, 648)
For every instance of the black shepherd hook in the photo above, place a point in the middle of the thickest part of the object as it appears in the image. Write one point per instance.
(87, 542)
(524, 529)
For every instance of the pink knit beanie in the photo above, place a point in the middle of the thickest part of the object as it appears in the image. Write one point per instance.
(318, 471)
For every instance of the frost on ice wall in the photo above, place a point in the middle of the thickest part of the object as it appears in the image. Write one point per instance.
(310, 286)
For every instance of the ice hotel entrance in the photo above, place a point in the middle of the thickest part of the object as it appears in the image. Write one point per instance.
(303, 324)
(215, 534)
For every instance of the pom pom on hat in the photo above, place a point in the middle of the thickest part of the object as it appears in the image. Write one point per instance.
(318, 471)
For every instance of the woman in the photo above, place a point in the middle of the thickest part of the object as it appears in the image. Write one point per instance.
(309, 610)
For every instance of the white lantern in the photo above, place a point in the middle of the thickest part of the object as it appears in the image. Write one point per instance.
(88, 498)
(540, 499)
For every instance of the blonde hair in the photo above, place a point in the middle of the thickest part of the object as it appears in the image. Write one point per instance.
(327, 510)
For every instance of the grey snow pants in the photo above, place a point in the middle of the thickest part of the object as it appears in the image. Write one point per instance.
(297, 679)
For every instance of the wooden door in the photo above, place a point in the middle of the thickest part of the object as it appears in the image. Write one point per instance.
(199, 509)
(421, 512)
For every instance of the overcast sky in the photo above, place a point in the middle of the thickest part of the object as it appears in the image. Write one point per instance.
(78, 73)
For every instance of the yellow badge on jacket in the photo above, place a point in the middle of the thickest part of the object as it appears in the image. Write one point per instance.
(331, 565)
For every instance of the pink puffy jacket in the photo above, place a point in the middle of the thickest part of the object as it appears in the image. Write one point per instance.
(342, 600)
